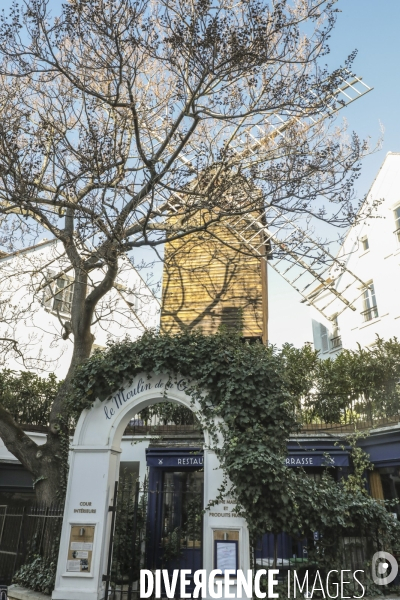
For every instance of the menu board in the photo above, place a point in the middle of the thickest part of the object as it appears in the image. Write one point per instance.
(226, 555)
(80, 550)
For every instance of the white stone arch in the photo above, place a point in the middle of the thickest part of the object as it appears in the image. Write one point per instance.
(116, 412)
(94, 468)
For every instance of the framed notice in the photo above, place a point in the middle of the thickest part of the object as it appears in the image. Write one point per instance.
(226, 554)
(80, 549)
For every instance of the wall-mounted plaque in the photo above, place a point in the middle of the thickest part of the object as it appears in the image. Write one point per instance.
(80, 550)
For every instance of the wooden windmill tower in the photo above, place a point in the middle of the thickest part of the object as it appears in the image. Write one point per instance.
(207, 283)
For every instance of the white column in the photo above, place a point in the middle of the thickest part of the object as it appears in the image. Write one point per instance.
(92, 475)
(221, 517)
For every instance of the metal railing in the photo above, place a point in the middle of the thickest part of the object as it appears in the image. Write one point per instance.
(26, 532)
(360, 414)
(156, 425)
(370, 313)
(336, 342)
(348, 550)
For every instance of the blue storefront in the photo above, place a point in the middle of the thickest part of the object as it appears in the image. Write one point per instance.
(315, 454)
(176, 501)
(383, 448)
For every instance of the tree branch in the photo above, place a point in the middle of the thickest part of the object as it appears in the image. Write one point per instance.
(17, 441)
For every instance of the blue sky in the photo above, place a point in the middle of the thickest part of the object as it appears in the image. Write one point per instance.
(373, 28)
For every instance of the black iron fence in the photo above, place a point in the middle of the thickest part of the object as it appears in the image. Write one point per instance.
(26, 532)
(161, 528)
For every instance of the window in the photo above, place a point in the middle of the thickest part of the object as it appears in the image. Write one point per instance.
(364, 244)
(324, 337)
(370, 307)
(397, 222)
(232, 317)
(59, 293)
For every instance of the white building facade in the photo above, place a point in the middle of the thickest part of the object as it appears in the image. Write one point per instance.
(36, 286)
(371, 251)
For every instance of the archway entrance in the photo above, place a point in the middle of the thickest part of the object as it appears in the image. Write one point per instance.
(159, 513)
(94, 469)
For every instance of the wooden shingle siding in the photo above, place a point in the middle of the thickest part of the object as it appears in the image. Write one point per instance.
(208, 283)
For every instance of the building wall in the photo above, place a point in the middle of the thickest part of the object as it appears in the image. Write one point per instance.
(29, 315)
(379, 263)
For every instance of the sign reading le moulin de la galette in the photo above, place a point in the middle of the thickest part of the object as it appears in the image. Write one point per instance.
(136, 389)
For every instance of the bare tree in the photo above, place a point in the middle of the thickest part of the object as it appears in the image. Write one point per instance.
(127, 123)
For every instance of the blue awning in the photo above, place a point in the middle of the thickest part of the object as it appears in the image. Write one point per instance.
(182, 459)
(193, 458)
(317, 459)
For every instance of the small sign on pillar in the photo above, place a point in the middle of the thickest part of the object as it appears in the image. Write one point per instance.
(80, 549)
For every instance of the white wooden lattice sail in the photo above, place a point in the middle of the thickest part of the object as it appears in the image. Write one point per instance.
(308, 266)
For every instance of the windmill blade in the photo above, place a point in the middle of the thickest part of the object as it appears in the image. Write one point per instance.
(323, 280)
(264, 130)
(250, 141)
(269, 129)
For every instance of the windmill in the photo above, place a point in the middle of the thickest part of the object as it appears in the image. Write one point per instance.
(321, 278)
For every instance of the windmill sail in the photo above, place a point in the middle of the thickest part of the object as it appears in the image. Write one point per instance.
(322, 279)
(273, 126)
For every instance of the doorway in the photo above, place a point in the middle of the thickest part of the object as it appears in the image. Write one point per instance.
(175, 520)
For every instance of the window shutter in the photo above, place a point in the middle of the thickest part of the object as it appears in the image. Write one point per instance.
(48, 291)
(324, 337)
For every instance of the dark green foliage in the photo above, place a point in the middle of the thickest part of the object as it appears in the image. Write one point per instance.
(255, 390)
(193, 526)
(358, 384)
(38, 575)
(301, 366)
(27, 396)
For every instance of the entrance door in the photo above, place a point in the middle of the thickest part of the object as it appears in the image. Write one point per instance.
(177, 529)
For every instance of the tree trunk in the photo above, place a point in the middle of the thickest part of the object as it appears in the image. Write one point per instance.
(48, 463)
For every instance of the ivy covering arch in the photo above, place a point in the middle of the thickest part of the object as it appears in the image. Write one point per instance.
(254, 390)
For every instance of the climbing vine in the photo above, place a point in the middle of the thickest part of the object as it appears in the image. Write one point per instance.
(253, 392)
